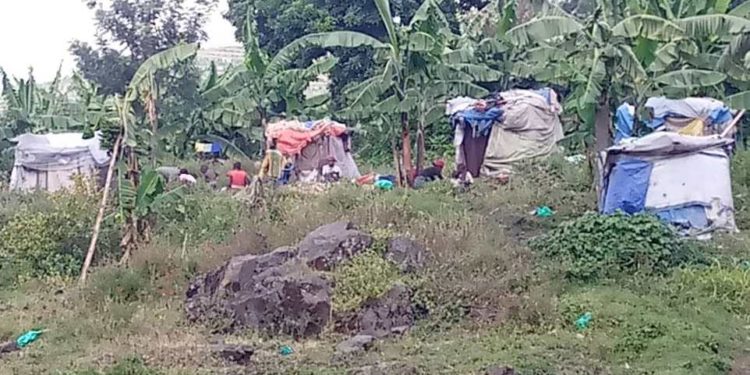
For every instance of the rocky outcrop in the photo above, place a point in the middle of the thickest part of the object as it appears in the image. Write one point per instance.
(271, 292)
(285, 292)
(332, 244)
(407, 254)
(391, 314)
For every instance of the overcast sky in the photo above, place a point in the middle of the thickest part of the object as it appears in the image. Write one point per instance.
(37, 33)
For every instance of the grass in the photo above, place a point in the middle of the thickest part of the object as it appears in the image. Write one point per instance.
(487, 298)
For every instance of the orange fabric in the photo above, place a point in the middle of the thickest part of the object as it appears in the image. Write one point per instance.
(291, 139)
(237, 178)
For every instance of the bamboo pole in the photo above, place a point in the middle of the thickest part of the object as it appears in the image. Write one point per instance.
(102, 208)
(733, 124)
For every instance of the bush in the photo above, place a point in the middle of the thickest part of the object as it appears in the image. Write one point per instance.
(598, 246)
(367, 275)
(48, 235)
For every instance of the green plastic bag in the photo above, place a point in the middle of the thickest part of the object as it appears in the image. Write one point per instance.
(544, 211)
(27, 338)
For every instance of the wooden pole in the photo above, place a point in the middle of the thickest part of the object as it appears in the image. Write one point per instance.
(102, 208)
(733, 124)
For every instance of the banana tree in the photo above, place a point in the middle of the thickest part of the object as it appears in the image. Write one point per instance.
(136, 204)
(252, 92)
(412, 58)
(617, 53)
(37, 109)
(129, 138)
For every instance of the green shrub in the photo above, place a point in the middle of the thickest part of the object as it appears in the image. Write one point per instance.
(201, 216)
(596, 246)
(367, 275)
(48, 236)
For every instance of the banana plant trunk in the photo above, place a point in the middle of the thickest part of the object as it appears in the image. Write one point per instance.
(421, 152)
(406, 144)
(397, 160)
(602, 139)
(152, 118)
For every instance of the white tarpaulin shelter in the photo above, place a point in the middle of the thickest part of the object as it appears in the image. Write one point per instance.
(685, 180)
(49, 161)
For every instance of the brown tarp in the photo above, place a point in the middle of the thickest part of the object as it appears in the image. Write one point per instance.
(473, 149)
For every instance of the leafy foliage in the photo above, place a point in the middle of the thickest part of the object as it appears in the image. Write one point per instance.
(367, 275)
(49, 237)
(599, 246)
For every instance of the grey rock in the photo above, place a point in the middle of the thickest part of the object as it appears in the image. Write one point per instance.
(355, 344)
(501, 370)
(271, 292)
(239, 354)
(407, 254)
(381, 316)
(332, 244)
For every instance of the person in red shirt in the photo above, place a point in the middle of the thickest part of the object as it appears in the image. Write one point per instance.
(238, 179)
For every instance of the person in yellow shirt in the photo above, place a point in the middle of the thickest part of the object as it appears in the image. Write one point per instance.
(273, 163)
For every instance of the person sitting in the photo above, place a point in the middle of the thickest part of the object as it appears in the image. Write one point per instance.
(331, 172)
(462, 178)
(430, 174)
(209, 176)
(238, 179)
(186, 178)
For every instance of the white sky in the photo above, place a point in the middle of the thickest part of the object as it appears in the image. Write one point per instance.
(37, 33)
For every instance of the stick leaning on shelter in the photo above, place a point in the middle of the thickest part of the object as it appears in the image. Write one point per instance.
(102, 208)
(733, 124)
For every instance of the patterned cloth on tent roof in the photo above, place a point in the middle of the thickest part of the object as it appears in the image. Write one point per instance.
(293, 136)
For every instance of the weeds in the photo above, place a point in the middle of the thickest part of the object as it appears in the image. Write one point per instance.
(597, 246)
(367, 275)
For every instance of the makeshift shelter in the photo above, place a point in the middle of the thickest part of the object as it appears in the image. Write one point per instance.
(689, 116)
(685, 180)
(311, 143)
(49, 162)
(490, 136)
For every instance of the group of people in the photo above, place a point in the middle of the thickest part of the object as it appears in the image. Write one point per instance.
(277, 169)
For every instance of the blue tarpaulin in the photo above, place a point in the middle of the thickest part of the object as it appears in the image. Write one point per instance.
(627, 187)
(624, 121)
(689, 216)
(481, 122)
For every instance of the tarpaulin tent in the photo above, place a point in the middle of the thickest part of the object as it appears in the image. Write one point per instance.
(49, 161)
(685, 180)
(311, 143)
(679, 115)
(523, 124)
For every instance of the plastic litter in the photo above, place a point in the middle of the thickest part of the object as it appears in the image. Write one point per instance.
(584, 320)
(384, 185)
(286, 350)
(28, 338)
(544, 211)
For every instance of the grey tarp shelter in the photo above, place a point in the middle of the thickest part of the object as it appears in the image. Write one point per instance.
(50, 161)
